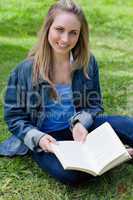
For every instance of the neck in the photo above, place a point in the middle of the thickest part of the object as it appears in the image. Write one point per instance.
(61, 60)
(61, 69)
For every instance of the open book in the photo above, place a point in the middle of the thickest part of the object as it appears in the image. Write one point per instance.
(101, 151)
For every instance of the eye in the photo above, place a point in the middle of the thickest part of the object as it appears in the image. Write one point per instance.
(73, 33)
(59, 29)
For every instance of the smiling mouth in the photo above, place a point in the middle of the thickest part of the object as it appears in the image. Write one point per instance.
(62, 45)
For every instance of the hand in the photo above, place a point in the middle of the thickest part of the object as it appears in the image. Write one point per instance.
(79, 132)
(130, 151)
(45, 143)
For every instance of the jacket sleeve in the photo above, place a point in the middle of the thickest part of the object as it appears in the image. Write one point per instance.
(94, 104)
(16, 116)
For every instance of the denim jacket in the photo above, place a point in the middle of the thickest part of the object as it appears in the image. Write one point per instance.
(24, 106)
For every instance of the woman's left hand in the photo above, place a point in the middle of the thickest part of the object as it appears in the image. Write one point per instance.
(79, 132)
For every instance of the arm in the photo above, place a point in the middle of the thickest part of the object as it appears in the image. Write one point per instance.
(95, 105)
(15, 114)
(94, 99)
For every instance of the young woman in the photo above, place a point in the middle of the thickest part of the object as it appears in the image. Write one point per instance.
(55, 94)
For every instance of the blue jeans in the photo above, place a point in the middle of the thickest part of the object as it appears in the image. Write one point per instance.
(47, 161)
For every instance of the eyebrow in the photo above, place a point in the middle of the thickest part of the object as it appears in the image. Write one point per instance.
(64, 28)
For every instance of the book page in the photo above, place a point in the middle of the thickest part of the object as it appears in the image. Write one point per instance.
(72, 156)
(105, 146)
(115, 162)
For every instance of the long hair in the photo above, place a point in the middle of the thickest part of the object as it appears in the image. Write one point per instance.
(42, 52)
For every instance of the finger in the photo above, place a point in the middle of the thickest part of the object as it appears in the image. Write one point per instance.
(47, 148)
(51, 139)
(78, 139)
(75, 137)
(82, 140)
(83, 137)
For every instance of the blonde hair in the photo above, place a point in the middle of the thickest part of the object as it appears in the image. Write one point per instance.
(42, 52)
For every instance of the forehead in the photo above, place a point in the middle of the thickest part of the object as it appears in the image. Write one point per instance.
(66, 19)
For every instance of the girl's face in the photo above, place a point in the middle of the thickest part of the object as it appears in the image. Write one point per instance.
(64, 32)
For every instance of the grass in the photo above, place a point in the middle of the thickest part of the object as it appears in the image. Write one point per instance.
(111, 35)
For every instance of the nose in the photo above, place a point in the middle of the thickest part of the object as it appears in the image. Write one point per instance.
(65, 37)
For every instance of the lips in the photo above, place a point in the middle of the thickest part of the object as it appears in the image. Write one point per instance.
(62, 45)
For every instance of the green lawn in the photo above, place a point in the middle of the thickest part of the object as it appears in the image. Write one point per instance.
(111, 25)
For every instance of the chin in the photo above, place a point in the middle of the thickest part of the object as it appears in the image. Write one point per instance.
(61, 51)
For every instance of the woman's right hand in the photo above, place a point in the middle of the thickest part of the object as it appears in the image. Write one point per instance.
(45, 143)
